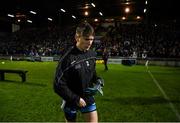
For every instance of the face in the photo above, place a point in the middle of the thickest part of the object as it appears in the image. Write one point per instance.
(84, 43)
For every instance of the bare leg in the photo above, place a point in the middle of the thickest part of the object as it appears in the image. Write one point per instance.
(91, 117)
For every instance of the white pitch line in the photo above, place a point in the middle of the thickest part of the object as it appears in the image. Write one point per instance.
(164, 94)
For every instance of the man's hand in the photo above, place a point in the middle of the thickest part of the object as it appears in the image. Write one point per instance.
(82, 103)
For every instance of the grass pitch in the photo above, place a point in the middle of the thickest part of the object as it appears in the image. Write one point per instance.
(130, 94)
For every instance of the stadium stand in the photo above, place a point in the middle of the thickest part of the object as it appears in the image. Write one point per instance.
(155, 40)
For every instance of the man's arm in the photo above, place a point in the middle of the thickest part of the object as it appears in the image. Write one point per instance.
(95, 77)
(60, 84)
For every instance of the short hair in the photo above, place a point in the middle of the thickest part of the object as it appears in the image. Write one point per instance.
(84, 29)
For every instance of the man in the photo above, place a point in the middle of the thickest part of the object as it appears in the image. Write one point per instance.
(75, 73)
(105, 57)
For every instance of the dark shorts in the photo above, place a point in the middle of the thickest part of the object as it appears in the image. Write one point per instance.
(86, 109)
(71, 111)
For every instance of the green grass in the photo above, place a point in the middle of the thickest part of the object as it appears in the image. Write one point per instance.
(129, 94)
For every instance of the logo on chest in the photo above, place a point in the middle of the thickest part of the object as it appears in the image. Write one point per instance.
(87, 63)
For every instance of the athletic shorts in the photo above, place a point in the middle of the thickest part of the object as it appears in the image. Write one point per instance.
(71, 111)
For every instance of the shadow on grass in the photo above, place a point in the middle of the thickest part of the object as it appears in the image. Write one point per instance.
(139, 100)
(24, 83)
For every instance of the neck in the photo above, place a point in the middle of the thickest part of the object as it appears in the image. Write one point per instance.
(79, 47)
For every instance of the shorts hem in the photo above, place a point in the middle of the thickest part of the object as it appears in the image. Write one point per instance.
(88, 111)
